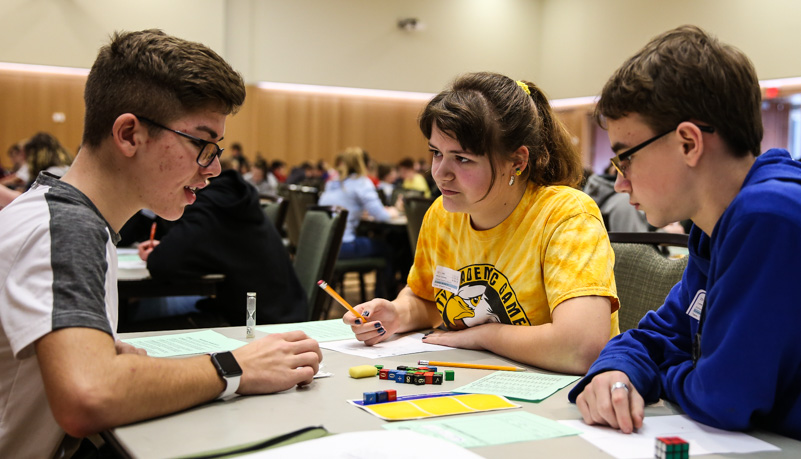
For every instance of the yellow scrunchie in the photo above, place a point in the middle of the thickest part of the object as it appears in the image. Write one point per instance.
(524, 86)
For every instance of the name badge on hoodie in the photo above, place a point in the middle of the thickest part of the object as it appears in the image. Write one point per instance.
(446, 279)
(697, 305)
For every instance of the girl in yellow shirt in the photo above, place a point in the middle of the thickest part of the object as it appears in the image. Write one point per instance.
(512, 258)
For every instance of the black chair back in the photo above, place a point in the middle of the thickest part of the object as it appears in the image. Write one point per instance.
(416, 208)
(300, 199)
(275, 208)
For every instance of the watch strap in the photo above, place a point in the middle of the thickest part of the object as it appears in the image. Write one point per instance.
(231, 385)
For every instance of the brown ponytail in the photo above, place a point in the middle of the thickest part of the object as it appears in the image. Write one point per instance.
(559, 162)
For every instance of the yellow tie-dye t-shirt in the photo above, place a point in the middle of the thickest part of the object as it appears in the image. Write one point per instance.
(553, 247)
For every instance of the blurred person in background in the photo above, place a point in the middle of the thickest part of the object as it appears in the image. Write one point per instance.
(18, 175)
(618, 214)
(412, 180)
(355, 192)
(261, 177)
(44, 153)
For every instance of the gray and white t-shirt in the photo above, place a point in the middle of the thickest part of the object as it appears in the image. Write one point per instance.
(58, 269)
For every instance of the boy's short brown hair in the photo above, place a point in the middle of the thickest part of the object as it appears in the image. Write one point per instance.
(158, 76)
(686, 74)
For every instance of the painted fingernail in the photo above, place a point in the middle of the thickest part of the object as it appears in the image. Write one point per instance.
(381, 331)
(366, 313)
(378, 325)
(358, 321)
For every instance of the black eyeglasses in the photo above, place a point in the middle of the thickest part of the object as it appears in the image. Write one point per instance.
(621, 161)
(208, 150)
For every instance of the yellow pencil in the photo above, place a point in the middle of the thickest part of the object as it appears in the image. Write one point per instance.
(469, 365)
(324, 285)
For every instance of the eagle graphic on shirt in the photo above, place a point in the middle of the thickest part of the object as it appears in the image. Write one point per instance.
(484, 296)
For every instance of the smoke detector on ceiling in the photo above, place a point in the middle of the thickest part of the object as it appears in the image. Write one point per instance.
(410, 24)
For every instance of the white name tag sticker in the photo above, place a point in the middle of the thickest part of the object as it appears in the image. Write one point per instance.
(446, 279)
(697, 305)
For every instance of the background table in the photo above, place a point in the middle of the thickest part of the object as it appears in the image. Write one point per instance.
(244, 419)
(137, 283)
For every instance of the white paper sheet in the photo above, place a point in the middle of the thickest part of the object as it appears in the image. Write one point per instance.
(409, 344)
(371, 444)
(201, 342)
(703, 439)
(128, 258)
(320, 330)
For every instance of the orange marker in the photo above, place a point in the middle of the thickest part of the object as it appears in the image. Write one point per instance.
(152, 233)
(324, 285)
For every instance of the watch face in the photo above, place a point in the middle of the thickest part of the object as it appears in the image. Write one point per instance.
(227, 364)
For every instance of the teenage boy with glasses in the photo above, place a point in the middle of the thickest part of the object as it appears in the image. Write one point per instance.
(725, 345)
(61, 368)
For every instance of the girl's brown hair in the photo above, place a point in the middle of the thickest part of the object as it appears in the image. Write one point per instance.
(491, 114)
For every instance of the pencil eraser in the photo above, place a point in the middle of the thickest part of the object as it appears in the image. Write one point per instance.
(363, 371)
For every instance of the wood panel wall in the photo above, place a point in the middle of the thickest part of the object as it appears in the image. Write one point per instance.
(297, 127)
(28, 102)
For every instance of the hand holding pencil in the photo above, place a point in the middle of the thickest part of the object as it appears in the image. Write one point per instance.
(371, 322)
(144, 248)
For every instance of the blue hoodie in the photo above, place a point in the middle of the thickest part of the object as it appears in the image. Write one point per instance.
(744, 279)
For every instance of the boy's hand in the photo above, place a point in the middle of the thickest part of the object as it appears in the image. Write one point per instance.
(278, 362)
(606, 401)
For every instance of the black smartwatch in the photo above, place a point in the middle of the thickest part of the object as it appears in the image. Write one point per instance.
(229, 370)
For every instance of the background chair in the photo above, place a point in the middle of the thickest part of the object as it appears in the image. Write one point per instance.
(406, 193)
(643, 274)
(360, 266)
(275, 208)
(416, 208)
(300, 199)
(318, 247)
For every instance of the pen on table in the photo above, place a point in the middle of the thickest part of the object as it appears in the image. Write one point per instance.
(152, 233)
(469, 365)
(324, 285)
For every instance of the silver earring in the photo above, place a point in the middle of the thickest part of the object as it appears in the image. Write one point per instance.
(511, 180)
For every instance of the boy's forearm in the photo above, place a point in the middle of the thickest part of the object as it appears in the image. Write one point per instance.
(91, 388)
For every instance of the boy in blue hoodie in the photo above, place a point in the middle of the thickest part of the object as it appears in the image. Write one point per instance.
(684, 119)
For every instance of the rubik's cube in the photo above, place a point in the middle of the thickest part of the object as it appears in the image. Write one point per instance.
(671, 448)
